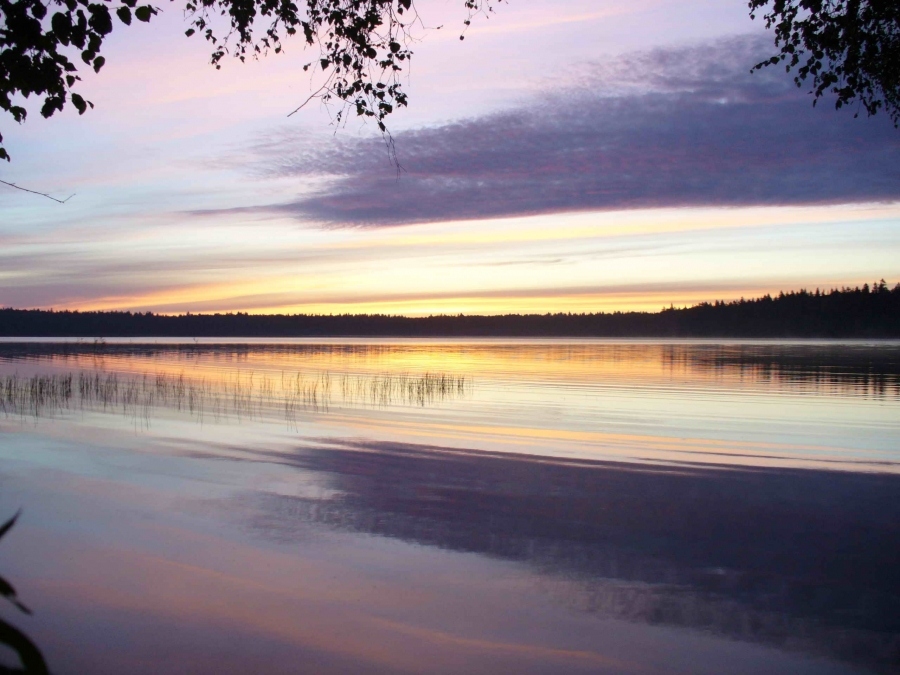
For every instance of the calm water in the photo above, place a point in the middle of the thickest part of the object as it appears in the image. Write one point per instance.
(459, 507)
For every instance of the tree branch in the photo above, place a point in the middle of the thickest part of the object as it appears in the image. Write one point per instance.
(42, 194)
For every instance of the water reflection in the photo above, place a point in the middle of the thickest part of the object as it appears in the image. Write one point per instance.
(816, 405)
(458, 504)
(803, 560)
(862, 368)
(244, 395)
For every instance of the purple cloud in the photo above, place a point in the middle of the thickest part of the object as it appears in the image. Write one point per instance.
(667, 128)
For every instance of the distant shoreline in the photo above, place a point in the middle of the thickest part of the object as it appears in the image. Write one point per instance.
(848, 313)
(216, 342)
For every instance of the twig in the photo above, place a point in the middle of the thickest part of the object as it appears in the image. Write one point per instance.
(311, 97)
(42, 194)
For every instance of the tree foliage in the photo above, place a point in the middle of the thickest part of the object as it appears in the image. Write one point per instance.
(363, 45)
(849, 48)
(39, 40)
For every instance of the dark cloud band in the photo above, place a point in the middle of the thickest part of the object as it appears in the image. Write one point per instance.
(668, 128)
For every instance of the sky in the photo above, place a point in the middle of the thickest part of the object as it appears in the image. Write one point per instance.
(580, 156)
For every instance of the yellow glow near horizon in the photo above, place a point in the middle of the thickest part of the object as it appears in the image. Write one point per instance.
(577, 262)
(600, 302)
(216, 299)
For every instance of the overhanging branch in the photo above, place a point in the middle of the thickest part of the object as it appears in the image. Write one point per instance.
(35, 192)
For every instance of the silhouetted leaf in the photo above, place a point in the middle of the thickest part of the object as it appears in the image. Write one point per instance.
(62, 26)
(32, 660)
(79, 103)
(124, 15)
(100, 20)
(12, 521)
(52, 105)
(8, 592)
(144, 12)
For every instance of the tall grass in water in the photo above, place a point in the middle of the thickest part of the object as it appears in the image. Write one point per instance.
(34, 395)
(388, 389)
(241, 396)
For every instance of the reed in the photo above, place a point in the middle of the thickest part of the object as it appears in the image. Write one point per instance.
(239, 395)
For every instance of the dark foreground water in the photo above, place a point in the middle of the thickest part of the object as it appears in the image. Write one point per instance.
(458, 507)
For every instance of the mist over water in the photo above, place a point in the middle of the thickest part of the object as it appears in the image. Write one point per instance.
(476, 506)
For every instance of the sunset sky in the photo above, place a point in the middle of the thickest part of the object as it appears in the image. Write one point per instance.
(576, 156)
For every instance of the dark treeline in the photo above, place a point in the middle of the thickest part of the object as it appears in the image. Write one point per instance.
(845, 313)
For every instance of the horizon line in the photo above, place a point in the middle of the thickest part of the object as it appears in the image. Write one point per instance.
(877, 286)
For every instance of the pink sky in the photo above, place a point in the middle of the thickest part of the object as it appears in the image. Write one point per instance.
(195, 192)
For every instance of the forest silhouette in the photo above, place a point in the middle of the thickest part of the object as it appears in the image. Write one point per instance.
(866, 312)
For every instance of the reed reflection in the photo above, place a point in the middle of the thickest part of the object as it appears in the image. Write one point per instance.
(782, 554)
(797, 559)
(238, 396)
(868, 369)
(815, 405)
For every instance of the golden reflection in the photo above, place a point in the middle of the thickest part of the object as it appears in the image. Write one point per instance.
(850, 368)
(231, 395)
(749, 403)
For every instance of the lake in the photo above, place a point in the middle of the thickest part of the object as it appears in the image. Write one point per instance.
(464, 506)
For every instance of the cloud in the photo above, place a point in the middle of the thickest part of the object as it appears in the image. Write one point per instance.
(665, 128)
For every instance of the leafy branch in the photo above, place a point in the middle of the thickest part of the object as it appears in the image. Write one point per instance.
(849, 48)
(364, 46)
(39, 40)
